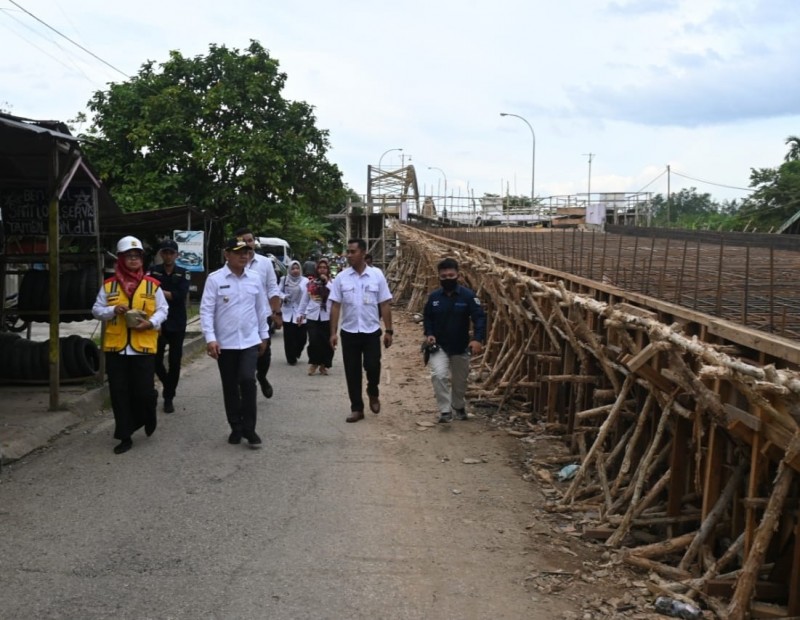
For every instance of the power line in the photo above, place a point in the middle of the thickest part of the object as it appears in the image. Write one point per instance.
(67, 54)
(75, 43)
(651, 182)
(686, 176)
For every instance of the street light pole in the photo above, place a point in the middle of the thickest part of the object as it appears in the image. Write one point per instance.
(384, 153)
(533, 153)
(445, 185)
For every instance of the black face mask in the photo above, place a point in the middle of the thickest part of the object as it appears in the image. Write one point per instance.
(448, 284)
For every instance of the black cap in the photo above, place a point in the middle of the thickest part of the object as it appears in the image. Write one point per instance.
(168, 244)
(236, 243)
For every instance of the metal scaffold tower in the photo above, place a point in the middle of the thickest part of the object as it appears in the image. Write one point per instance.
(392, 193)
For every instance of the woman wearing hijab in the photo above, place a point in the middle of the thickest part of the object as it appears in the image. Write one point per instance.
(133, 307)
(316, 311)
(292, 286)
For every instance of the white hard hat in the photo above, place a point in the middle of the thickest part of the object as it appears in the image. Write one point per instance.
(129, 243)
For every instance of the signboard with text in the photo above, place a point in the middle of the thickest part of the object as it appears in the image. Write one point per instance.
(25, 212)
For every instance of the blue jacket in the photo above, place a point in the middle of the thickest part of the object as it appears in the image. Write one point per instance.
(447, 317)
(176, 283)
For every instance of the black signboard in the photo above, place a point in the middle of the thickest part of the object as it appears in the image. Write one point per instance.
(25, 212)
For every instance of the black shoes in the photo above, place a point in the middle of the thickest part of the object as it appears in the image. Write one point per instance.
(461, 414)
(445, 417)
(252, 438)
(266, 388)
(168, 406)
(123, 447)
(149, 429)
(235, 437)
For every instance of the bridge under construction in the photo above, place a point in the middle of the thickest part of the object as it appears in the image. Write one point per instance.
(668, 363)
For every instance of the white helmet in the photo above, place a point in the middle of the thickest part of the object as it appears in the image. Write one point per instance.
(129, 243)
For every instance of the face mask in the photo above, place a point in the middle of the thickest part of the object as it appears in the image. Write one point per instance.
(448, 284)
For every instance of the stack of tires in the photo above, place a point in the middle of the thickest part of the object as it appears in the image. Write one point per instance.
(25, 360)
(77, 291)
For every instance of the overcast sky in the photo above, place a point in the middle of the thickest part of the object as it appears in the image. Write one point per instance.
(709, 87)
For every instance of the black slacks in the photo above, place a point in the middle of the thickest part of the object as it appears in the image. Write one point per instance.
(237, 369)
(320, 352)
(131, 384)
(294, 341)
(361, 350)
(263, 362)
(169, 378)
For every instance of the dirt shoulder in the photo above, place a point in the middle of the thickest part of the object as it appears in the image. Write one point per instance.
(501, 485)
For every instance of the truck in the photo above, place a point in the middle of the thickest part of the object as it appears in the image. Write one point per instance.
(276, 246)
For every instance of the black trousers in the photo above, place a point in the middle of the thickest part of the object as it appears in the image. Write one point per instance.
(237, 369)
(263, 362)
(169, 378)
(294, 341)
(131, 384)
(361, 350)
(320, 352)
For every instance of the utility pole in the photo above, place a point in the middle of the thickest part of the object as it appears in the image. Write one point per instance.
(589, 191)
(669, 197)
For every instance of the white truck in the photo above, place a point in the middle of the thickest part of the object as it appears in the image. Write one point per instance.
(276, 246)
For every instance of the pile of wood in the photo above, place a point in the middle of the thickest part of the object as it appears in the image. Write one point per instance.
(688, 443)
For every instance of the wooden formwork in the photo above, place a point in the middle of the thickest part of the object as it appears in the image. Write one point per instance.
(686, 426)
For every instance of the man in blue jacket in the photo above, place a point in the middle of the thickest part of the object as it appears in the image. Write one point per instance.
(448, 313)
(175, 284)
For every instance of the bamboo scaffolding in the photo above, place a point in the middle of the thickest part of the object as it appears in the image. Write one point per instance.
(590, 353)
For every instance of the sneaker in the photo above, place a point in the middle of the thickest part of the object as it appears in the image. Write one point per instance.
(461, 414)
(252, 438)
(266, 388)
(445, 417)
(168, 406)
(235, 438)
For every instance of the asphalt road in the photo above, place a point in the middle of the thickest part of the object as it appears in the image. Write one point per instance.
(328, 520)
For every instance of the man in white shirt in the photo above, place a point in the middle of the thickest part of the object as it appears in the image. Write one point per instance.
(233, 317)
(263, 265)
(361, 297)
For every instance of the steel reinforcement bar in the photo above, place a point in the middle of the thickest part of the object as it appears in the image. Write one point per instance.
(685, 424)
(747, 279)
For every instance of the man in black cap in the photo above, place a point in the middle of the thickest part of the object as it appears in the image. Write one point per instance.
(175, 284)
(233, 317)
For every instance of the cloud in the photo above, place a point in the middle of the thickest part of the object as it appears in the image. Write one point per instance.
(642, 7)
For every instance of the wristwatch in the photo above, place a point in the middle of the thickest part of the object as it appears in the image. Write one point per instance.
(389, 331)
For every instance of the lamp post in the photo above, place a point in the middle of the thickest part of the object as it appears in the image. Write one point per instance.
(445, 185)
(533, 152)
(384, 153)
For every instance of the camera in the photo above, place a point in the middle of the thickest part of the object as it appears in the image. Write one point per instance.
(428, 349)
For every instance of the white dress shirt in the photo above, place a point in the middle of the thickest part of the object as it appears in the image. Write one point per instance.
(234, 309)
(263, 265)
(360, 295)
(312, 307)
(292, 296)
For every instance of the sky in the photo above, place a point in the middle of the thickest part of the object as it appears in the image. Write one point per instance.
(610, 92)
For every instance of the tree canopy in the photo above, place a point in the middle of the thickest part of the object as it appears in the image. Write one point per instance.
(215, 132)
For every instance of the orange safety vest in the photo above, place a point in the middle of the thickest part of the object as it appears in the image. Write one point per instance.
(118, 334)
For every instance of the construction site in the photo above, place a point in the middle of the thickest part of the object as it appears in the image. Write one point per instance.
(666, 360)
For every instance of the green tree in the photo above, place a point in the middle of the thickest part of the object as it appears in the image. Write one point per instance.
(216, 132)
(687, 209)
(793, 142)
(776, 197)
